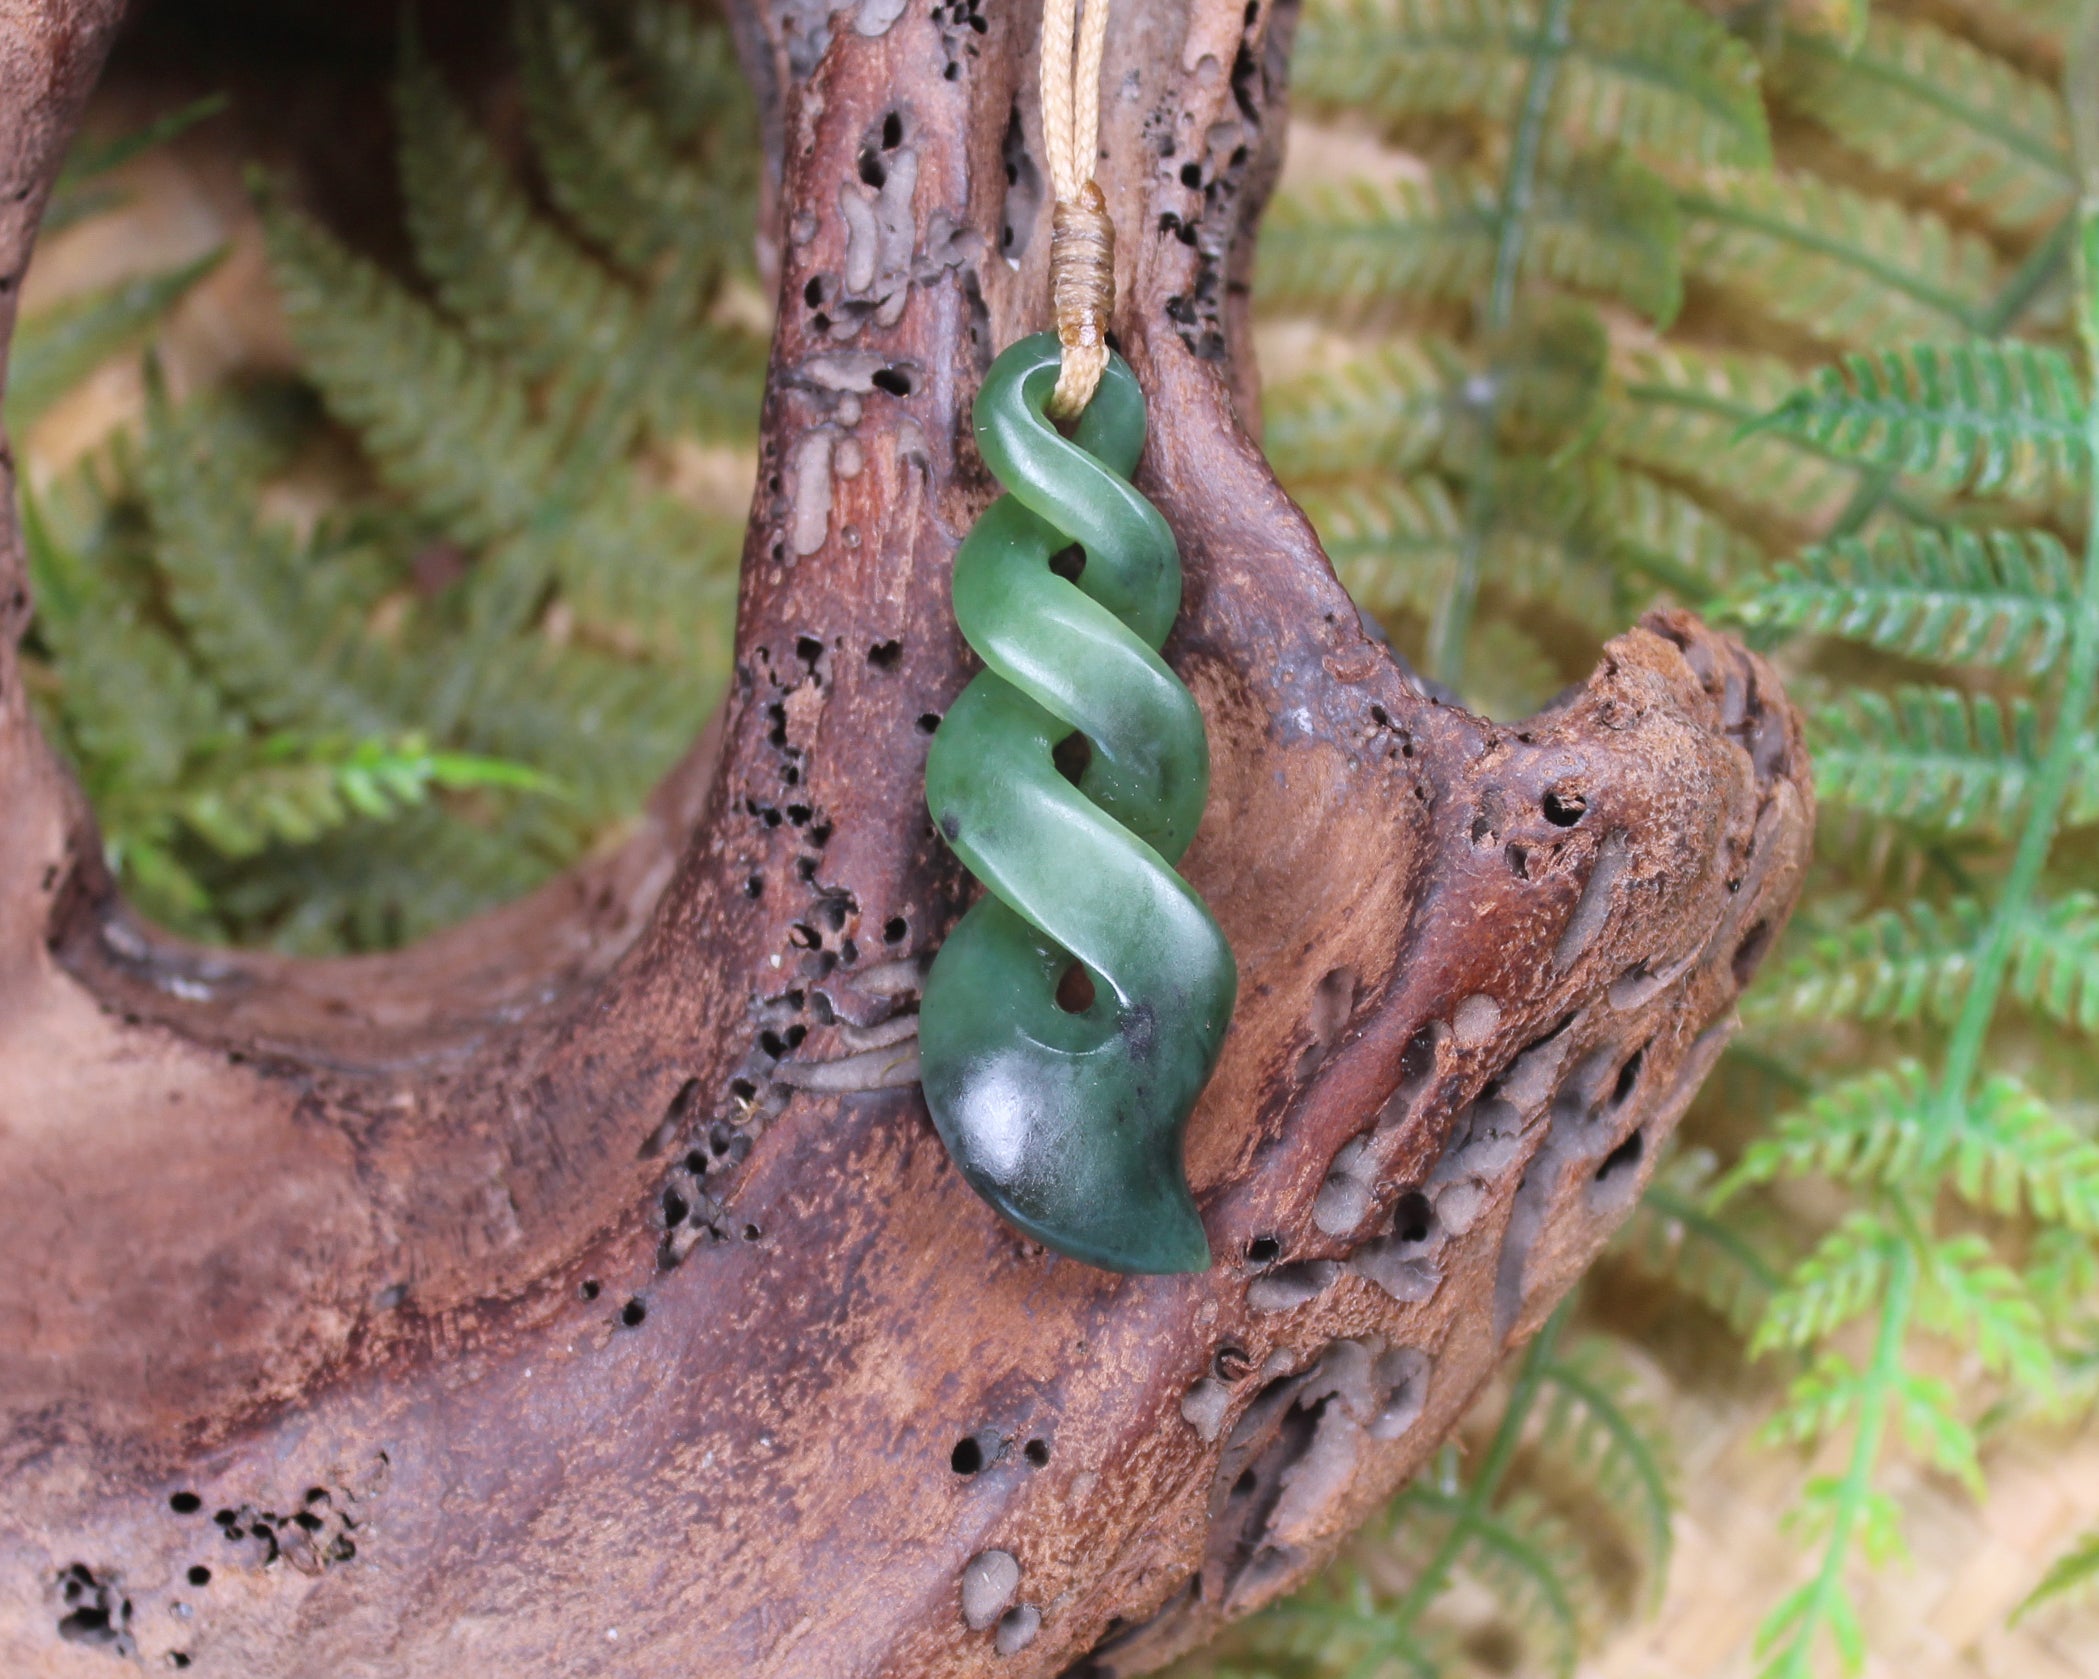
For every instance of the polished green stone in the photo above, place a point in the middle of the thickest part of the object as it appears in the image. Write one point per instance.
(1070, 1123)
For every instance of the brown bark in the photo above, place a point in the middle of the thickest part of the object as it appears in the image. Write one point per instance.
(350, 1282)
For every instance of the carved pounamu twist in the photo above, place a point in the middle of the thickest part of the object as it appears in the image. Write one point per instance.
(1068, 1119)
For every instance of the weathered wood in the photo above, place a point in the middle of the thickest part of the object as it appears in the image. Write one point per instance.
(586, 1292)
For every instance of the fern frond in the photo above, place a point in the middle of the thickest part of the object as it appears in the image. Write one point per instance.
(1866, 1130)
(686, 66)
(1941, 759)
(1915, 963)
(1659, 536)
(132, 702)
(1928, 109)
(1821, 1400)
(1673, 1236)
(443, 423)
(1682, 413)
(2013, 1153)
(282, 628)
(1385, 412)
(56, 348)
(1951, 596)
(1987, 418)
(1983, 1306)
(1841, 266)
(1652, 75)
(296, 788)
(611, 164)
(2075, 1572)
(523, 289)
(1393, 543)
(1927, 1411)
(1522, 1553)
(1590, 1426)
(1841, 1279)
(1607, 228)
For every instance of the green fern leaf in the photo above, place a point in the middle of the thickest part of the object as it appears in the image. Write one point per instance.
(612, 165)
(524, 290)
(2075, 1572)
(1842, 1279)
(282, 628)
(1983, 1306)
(56, 348)
(73, 197)
(296, 789)
(452, 430)
(1988, 418)
(1673, 1236)
(1590, 1426)
(1941, 759)
(1604, 228)
(1954, 596)
(1866, 1130)
(1681, 413)
(1384, 412)
(440, 420)
(131, 701)
(1652, 75)
(2012, 1153)
(1838, 265)
(1915, 963)
(1927, 1411)
(1820, 1401)
(1523, 1554)
(1392, 542)
(1929, 110)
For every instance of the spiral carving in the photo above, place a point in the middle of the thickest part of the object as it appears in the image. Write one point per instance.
(1067, 1118)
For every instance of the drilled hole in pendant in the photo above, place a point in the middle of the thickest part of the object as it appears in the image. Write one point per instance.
(1071, 755)
(1067, 563)
(1075, 989)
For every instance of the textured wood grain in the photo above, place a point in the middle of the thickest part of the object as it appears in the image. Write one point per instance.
(586, 1292)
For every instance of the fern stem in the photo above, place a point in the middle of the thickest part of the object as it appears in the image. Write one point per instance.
(2052, 783)
(2016, 296)
(1494, 1467)
(1876, 1394)
(1519, 185)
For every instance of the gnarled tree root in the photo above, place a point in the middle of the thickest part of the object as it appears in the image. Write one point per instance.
(586, 1292)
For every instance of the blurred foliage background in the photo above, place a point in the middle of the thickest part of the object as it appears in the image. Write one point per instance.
(385, 485)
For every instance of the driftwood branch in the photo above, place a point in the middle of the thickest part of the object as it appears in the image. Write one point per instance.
(585, 1291)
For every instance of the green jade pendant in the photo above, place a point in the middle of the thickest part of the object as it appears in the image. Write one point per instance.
(1069, 1122)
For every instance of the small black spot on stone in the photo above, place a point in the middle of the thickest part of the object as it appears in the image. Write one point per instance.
(895, 930)
(633, 1312)
(967, 1457)
(893, 380)
(1036, 1452)
(872, 170)
(892, 131)
(199, 1575)
(884, 654)
(589, 1291)
(928, 721)
(1263, 1250)
(1192, 176)
(185, 1503)
(1564, 808)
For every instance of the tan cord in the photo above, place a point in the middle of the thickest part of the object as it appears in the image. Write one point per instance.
(1082, 238)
